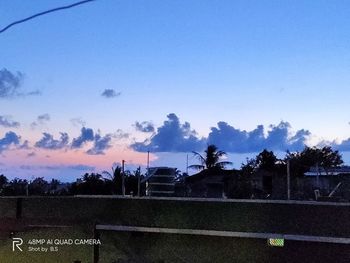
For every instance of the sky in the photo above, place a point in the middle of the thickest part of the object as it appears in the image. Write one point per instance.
(85, 88)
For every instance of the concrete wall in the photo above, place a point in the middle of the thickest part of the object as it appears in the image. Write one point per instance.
(280, 217)
(307, 218)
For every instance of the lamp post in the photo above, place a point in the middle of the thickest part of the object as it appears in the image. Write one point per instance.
(288, 180)
(123, 178)
(138, 181)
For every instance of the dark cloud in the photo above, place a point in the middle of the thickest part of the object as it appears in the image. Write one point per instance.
(110, 93)
(32, 93)
(6, 122)
(144, 126)
(278, 137)
(78, 122)
(344, 146)
(9, 139)
(86, 135)
(78, 167)
(26, 167)
(44, 117)
(227, 138)
(48, 142)
(11, 83)
(31, 154)
(119, 134)
(101, 143)
(40, 120)
(172, 136)
(298, 141)
(24, 145)
(82, 167)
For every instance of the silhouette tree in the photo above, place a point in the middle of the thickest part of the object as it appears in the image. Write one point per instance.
(301, 162)
(3, 183)
(131, 181)
(89, 184)
(114, 180)
(248, 168)
(242, 187)
(266, 160)
(38, 186)
(180, 177)
(54, 187)
(16, 187)
(211, 159)
(3, 180)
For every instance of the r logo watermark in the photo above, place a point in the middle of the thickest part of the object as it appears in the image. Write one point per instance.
(16, 243)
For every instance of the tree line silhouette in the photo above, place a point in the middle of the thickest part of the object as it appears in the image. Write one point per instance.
(110, 183)
(89, 183)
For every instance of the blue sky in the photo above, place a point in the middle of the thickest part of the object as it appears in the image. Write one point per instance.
(243, 63)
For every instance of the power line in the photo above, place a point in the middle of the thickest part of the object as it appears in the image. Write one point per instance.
(43, 13)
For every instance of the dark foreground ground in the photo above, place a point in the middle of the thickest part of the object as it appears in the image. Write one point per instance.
(71, 218)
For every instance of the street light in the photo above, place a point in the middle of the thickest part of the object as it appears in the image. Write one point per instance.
(123, 178)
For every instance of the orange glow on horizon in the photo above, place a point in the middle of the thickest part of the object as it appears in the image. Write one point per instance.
(75, 157)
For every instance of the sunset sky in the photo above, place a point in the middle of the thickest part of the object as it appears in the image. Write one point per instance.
(84, 88)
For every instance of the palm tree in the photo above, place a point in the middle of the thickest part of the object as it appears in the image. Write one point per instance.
(211, 159)
(116, 173)
(114, 180)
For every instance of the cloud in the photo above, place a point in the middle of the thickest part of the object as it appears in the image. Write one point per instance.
(172, 136)
(24, 145)
(31, 154)
(342, 146)
(32, 93)
(78, 167)
(226, 137)
(48, 142)
(86, 135)
(81, 167)
(6, 122)
(78, 122)
(279, 137)
(40, 120)
(101, 143)
(9, 139)
(119, 134)
(44, 117)
(144, 126)
(41, 167)
(110, 93)
(11, 84)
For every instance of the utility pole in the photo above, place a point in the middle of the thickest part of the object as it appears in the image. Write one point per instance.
(317, 176)
(123, 178)
(288, 180)
(138, 181)
(148, 163)
(187, 164)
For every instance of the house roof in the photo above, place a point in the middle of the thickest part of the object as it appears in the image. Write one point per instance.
(314, 171)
